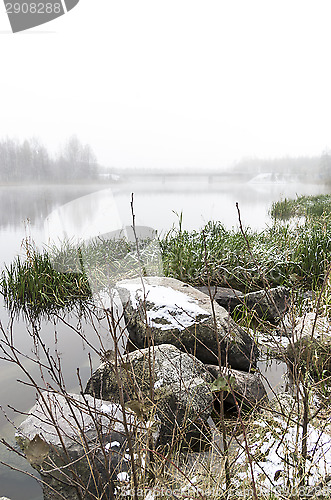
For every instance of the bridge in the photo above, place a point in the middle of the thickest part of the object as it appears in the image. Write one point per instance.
(163, 176)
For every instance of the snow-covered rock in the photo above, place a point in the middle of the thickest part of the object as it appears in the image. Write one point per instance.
(313, 326)
(77, 444)
(311, 343)
(171, 312)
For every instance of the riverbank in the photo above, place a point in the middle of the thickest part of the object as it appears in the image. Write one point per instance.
(293, 254)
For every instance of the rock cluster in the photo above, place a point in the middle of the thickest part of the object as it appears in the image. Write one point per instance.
(179, 383)
(160, 391)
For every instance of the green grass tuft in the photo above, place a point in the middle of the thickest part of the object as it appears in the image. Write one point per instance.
(302, 206)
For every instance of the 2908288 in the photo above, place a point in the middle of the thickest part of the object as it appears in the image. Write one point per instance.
(33, 8)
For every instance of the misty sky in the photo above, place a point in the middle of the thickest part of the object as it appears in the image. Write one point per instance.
(175, 83)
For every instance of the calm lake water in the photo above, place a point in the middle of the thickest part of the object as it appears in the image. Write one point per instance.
(23, 211)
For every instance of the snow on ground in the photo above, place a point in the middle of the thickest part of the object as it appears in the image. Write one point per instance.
(276, 454)
(269, 340)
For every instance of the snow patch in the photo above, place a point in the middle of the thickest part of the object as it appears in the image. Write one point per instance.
(106, 409)
(159, 383)
(112, 444)
(171, 308)
(123, 476)
(271, 451)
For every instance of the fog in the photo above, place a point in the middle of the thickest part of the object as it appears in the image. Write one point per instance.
(173, 84)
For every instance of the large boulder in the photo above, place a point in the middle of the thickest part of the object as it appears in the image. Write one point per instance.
(78, 445)
(247, 388)
(164, 382)
(167, 311)
(269, 305)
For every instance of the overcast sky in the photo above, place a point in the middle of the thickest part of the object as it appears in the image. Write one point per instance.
(173, 83)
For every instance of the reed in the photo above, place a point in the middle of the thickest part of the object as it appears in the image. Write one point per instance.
(302, 206)
(288, 254)
(33, 287)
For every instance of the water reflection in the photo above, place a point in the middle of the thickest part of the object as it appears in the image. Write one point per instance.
(154, 202)
(275, 376)
(72, 350)
(86, 217)
(34, 203)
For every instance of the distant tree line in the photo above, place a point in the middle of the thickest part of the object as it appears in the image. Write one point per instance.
(326, 165)
(302, 166)
(310, 168)
(30, 161)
